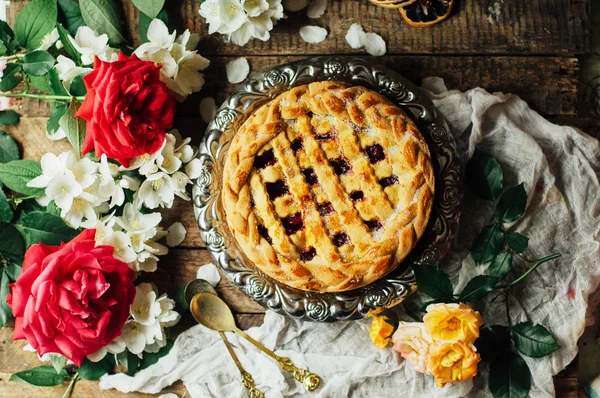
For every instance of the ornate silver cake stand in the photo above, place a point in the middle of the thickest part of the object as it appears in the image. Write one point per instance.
(326, 307)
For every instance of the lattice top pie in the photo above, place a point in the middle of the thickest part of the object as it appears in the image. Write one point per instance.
(328, 187)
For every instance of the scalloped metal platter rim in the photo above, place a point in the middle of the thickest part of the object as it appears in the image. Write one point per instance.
(314, 306)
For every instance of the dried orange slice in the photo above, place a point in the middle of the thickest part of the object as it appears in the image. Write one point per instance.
(423, 13)
(392, 3)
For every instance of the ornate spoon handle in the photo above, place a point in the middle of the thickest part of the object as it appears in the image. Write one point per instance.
(247, 378)
(309, 380)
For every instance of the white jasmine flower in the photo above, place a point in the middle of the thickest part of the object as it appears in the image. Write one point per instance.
(158, 38)
(237, 70)
(211, 11)
(145, 309)
(232, 14)
(84, 171)
(146, 163)
(186, 153)
(108, 188)
(176, 234)
(157, 191)
(193, 169)
(374, 44)
(167, 161)
(162, 56)
(131, 183)
(48, 40)
(133, 220)
(188, 77)
(52, 166)
(122, 244)
(82, 212)
(180, 182)
(63, 190)
(135, 336)
(168, 316)
(89, 44)
(255, 7)
(67, 70)
(188, 40)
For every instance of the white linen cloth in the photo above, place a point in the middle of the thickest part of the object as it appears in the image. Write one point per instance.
(560, 168)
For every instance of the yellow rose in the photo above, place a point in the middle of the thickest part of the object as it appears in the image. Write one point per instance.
(381, 331)
(446, 322)
(412, 342)
(452, 361)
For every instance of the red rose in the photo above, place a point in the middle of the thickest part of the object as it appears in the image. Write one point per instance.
(71, 299)
(127, 109)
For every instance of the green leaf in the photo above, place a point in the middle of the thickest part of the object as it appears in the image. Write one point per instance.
(433, 282)
(149, 7)
(484, 175)
(35, 21)
(511, 204)
(77, 87)
(144, 23)
(43, 376)
(150, 358)
(42, 83)
(477, 288)
(517, 242)
(69, 15)
(133, 363)
(94, 370)
(7, 37)
(43, 227)
(533, 340)
(509, 377)
(10, 77)
(493, 341)
(103, 17)
(12, 245)
(38, 63)
(63, 35)
(9, 150)
(487, 244)
(13, 271)
(58, 362)
(5, 312)
(52, 208)
(74, 127)
(9, 117)
(58, 109)
(501, 265)
(6, 213)
(16, 174)
(56, 83)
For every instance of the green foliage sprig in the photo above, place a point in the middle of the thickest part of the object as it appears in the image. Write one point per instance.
(497, 246)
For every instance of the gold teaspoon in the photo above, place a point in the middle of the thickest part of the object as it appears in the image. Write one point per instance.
(201, 286)
(214, 313)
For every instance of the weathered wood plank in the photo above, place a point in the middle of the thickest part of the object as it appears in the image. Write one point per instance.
(477, 27)
(549, 84)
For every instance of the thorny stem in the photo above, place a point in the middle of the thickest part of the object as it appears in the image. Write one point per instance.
(67, 393)
(529, 271)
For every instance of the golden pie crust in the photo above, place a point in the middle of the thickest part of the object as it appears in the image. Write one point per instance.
(328, 187)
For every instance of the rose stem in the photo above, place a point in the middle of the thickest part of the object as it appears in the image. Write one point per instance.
(42, 96)
(529, 271)
(67, 393)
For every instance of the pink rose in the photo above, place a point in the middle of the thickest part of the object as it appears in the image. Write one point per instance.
(412, 342)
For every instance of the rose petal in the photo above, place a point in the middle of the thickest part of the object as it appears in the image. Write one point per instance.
(355, 36)
(176, 234)
(237, 70)
(313, 34)
(374, 44)
(208, 109)
(316, 8)
(209, 273)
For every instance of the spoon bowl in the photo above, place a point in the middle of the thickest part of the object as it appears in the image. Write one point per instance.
(209, 310)
(197, 286)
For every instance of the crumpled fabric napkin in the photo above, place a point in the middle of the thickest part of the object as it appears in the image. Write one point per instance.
(559, 166)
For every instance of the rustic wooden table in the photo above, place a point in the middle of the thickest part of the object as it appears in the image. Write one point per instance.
(531, 48)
